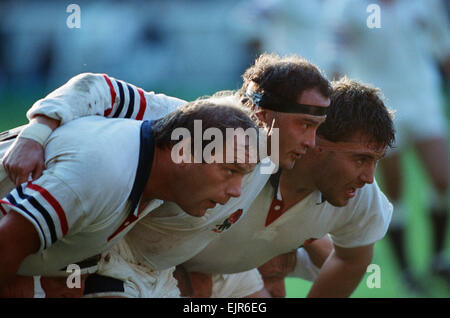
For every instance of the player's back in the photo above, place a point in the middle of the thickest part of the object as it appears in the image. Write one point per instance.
(91, 167)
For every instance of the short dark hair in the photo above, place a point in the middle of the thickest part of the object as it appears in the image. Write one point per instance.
(215, 112)
(357, 107)
(287, 76)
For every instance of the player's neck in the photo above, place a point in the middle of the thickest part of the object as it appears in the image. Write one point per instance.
(300, 178)
(294, 185)
(160, 179)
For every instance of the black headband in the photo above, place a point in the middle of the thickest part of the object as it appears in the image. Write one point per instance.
(279, 104)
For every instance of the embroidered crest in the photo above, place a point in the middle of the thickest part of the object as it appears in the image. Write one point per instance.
(228, 222)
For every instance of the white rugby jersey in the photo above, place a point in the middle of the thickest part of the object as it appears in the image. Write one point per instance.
(169, 236)
(251, 242)
(88, 196)
(175, 236)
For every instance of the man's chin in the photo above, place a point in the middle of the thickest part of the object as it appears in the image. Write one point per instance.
(337, 202)
(287, 164)
(197, 212)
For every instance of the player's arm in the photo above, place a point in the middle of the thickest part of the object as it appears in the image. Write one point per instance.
(193, 284)
(18, 239)
(302, 263)
(84, 95)
(342, 272)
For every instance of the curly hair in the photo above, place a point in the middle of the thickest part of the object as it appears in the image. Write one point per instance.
(357, 107)
(287, 76)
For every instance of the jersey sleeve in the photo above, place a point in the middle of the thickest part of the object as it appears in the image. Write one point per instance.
(45, 203)
(368, 221)
(99, 94)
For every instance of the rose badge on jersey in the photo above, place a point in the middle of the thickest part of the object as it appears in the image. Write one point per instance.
(228, 222)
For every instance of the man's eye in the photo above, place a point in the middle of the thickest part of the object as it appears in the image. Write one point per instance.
(305, 126)
(230, 172)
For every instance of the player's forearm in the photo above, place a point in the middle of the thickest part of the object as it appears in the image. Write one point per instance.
(84, 95)
(50, 122)
(338, 278)
(319, 250)
(8, 271)
(18, 239)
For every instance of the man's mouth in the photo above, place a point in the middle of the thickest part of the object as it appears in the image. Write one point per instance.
(211, 204)
(298, 154)
(350, 193)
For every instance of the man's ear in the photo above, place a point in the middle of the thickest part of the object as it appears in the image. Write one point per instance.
(260, 113)
(265, 115)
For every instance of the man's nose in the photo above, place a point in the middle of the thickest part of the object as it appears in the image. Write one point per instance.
(309, 140)
(234, 187)
(367, 175)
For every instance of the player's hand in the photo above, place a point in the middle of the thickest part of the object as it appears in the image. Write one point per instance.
(56, 287)
(193, 284)
(279, 266)
(201, 284)
(276, 287)
(184, 281)
(25, 157)
(274, 272)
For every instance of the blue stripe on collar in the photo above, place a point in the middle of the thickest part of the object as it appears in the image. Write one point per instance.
(146, 153)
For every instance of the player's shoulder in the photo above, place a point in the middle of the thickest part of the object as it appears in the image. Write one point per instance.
(94, 130)
(94, 146)
(370, 200)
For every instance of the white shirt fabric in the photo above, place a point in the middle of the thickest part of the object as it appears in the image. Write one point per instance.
(250, 243)
(83, 196)
(169, 236)
(138, 281)
(304, 267)
(237, 285)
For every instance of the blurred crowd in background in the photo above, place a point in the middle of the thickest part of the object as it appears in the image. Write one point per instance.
(183, 44)
(189, 48)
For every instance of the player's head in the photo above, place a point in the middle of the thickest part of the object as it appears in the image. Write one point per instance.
(212, 144)
(291, 94)
(358, 130)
